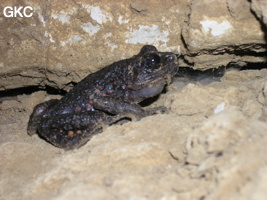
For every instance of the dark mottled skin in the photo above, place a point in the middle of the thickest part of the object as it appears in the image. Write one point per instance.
(103, 98)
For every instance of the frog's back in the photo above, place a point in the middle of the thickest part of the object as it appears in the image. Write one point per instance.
(80, 97)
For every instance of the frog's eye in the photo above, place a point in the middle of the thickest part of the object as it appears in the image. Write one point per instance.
(153, 60)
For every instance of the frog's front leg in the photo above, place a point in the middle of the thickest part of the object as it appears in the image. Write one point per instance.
(133, 111)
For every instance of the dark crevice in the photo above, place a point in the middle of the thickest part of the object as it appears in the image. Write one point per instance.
(199, 74)
(30, 90)
(241, 50)
(184, 42)
(186, 72)
(149, 101)
(71, 84)
(56, 91)
(195, 74)
(248, 66)
(254, 66)
(245, 50)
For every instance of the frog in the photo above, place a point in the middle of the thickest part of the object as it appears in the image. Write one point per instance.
(104, 98)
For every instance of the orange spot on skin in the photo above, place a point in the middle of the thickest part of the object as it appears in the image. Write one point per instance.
(79, 109)
(90, 101)
(79, 132)
(70, 133)
(60, 130)
(90, 107)
(110, 91)
(103, 95)
(114, 83)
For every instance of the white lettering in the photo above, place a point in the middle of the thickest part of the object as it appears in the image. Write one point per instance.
(20, 11)
(17, 11)
(24, 11)
(8, 13)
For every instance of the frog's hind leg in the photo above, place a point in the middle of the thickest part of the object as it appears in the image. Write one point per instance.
(70, 139)
(70, 131)
(37, 115)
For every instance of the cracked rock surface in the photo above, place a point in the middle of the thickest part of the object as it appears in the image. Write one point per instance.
(64, 42)
(212, 145)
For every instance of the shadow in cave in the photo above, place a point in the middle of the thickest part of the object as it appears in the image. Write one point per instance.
(13, 93)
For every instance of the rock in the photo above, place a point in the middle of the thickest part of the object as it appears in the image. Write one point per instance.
(62, 43)
(260, 9)
(204, 101)
(212, 143)
(217, 33)
(229, 138)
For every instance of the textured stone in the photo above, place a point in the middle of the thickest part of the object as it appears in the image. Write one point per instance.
(260, 8)
(221, 29)
(64, 42)
(212, 145)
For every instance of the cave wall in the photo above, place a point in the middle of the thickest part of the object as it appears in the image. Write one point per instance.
(66, 40)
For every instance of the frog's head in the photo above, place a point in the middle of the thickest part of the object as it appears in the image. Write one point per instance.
(151, 71)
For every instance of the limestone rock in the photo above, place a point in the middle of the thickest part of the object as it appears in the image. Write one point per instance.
(211, 145)
(260, 8)
(222, 29)
(63, 42)
(66, 40)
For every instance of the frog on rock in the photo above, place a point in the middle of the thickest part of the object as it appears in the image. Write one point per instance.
(103, 98)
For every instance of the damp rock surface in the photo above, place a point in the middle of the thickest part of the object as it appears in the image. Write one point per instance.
(211, 145)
